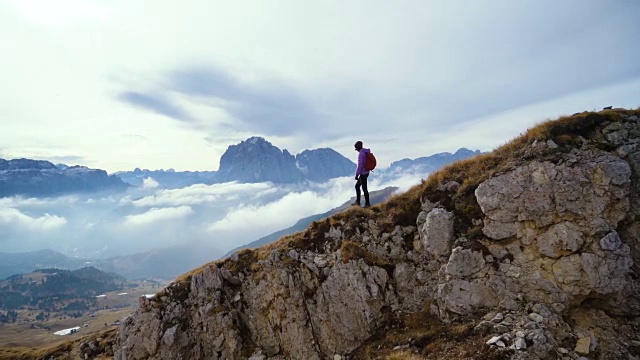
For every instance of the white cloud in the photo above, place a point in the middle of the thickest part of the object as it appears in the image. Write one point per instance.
(61, 12)
(488, 132)
(403, 182)
(202, 194)
(436, 58)
(20, 202)
(275, 215)
(246, 222)
(249, 222)
(154, 215)
(18, 220)
(149, 183)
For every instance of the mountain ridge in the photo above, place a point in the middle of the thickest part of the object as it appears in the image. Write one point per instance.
(164, 263)
(432, 162)
(257, 160)
(56, 286)
(42, 178)
(251, 160)
(522, 253)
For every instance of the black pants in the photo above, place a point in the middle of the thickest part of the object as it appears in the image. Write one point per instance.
(362, 181)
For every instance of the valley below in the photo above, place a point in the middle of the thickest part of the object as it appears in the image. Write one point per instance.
(34, 316)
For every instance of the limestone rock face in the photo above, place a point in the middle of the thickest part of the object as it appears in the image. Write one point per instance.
(297, 310)
(564, 217)
(589, 189)
(556, 240)
(437, 232)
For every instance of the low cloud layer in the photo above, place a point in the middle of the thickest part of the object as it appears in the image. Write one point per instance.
(201, 194)
(18, 221)
(155, 215)
(245, 223)
(223, 216)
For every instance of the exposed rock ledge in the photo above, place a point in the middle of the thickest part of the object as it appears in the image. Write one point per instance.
(551, 275)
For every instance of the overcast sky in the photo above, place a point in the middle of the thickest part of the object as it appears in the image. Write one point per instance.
(168, 84)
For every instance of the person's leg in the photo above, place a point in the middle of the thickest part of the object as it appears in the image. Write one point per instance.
(363, 180)
(357, 202)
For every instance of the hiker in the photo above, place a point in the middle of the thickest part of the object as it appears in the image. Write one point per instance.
(361, 175)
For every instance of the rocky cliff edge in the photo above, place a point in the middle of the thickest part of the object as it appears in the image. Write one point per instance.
(528, 252)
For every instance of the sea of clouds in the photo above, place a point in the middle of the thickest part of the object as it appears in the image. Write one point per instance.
(220, 216)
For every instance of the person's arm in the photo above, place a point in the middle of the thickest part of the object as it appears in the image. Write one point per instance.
(361, 159)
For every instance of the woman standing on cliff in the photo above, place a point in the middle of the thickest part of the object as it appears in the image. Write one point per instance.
(361, 175)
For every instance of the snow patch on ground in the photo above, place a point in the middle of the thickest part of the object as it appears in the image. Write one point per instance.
(67, 331)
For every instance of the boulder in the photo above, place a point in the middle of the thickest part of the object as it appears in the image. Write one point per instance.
(437, 232)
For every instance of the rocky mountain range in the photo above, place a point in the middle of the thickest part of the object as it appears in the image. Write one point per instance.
(250, 161)
(528, 252)
(254, 160)
(169, 179)
(42, 178)
(257, 160)
(433, 162)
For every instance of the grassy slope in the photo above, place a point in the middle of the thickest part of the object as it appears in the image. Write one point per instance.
(68, 349)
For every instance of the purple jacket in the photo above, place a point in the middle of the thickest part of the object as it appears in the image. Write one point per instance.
(362, 158)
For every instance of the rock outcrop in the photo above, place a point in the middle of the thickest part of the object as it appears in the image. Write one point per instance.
(530, 252)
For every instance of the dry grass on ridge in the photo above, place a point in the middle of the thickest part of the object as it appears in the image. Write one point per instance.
(568, 132)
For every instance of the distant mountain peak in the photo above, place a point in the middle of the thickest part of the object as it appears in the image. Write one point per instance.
(256, 140)
(257, 160)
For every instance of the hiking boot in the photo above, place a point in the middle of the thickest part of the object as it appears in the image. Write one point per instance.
(367, 205)
(355, 203)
